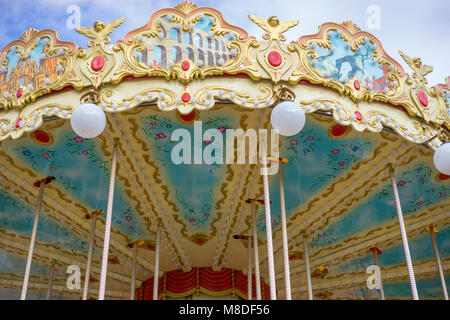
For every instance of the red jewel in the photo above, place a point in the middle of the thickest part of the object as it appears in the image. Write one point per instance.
(41, 136)
(338, 130)
(357, 85)
(422, 98)
(359, 116)
(19, 93)
(185, 65)
(17, 125)
(97, 63)
(186, 97)
(275, 58)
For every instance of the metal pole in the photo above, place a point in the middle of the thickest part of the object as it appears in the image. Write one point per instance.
(375, 257)
(155, 278)
(409, 265)
(50, 281)
(249, 269)
(256, 251)
(89, 260)
(273, 289)
(32, 242)
(287, 276)
(133, 272)
(307, 268)
(104, 268)
(438, 262)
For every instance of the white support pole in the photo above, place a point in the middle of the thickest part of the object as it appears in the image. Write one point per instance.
(287, 275)
(409, 265)
(256, 251)
(32, 242)
(375, 258)
(438, 262)
(273, 289)
(249, 269)
(104, 267)
(133, 272)
(307, 268)
(156, 276)
(89, 259)
(50, 281)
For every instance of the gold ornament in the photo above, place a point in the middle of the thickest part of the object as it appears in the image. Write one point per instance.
(273, 27)
(420, 70)
(100, 32)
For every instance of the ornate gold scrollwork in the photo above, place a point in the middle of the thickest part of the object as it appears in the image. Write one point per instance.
(91, 96)
(100, 32)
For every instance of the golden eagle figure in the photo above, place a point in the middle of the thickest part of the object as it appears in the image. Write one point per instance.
(273, 27)
(420, 70)
(100, 32)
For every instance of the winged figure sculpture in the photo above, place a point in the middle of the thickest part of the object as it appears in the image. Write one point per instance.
(420, 70)
(274, 29)
(100, 32)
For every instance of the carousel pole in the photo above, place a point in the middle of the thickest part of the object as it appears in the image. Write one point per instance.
(273, 289)
(50, 281)
(133, 272)
(155, 277)
(433, 230)
(375, 258)
(256, 251)
(104, 268)
(307, 268)
(249, 269)
(409, 265)
(41, 185)
(93, 215)
(287, 275)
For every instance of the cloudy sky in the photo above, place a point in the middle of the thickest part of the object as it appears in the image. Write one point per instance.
(417, 27)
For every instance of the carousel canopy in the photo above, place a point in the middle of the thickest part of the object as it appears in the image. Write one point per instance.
(365, 116)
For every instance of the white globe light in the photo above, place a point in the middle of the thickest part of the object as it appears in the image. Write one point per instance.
(288, 118)
(441, 158)
(88, 120)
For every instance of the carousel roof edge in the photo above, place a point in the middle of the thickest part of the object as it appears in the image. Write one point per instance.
(188, 43)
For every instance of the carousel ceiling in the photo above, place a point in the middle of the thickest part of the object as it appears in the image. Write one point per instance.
(364, 113)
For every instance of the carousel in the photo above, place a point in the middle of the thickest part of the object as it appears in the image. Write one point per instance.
(344, 194)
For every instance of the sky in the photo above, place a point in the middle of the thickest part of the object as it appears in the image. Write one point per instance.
(418, 28)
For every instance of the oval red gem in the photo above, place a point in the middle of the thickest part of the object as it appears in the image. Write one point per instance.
(274, 58)
(338, 130)
(356, 84)
(97, 63)
(186, 97)
(19, 93)
(423, 99)
(17, 125)
(41, 136)
(443, 176)
(359, 116)
(185, 65)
